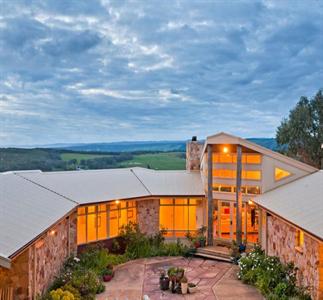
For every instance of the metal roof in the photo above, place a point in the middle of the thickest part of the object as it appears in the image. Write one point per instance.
(26, 210)
(167, 183)
(31, 202)
(299, 202)
(91, 186)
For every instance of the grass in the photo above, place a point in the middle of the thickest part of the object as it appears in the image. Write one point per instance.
(158, 161)
(80, 156)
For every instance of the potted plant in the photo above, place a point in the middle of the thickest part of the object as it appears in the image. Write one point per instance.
(107, 274)
(192, 288)
(172, 272)
(202, 241)
(163, 281)
(184, 285)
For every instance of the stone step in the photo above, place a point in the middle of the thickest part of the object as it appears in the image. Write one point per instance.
(213, 252)
(213, 256)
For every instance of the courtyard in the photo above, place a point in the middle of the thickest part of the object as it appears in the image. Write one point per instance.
(215, 280)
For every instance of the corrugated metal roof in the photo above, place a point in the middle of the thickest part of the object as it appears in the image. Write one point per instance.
(93, 186)
(299, 202)
(164, 183)
(26, 210)
(31, 202)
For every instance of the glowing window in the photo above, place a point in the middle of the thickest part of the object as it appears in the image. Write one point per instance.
(299, 238)
(102, 225)
(253, 159)
(281, 174)
(81, 229)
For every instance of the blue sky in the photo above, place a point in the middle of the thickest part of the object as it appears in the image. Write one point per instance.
(100, 71)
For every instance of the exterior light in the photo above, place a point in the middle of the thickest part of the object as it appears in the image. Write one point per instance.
(117, 201)
(225, 150)
(52, 232)
(250, 202)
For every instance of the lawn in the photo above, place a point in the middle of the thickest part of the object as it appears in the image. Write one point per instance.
(80, 156)
(158, 161)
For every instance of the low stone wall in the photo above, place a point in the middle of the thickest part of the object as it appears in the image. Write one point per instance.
(282, 241)
(148, 216)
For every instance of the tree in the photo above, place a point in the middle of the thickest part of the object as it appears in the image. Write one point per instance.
(301, 134)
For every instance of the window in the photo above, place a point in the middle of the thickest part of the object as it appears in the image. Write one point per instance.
(97, 222)
(177, 216)
(250, 175)
(253, 190)
(299, 238)
(231, 158)
(281, 174)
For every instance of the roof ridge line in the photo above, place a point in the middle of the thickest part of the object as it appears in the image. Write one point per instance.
(46, 188)
(146, 188)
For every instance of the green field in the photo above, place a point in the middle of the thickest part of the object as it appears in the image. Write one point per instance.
(158, 161)
(80, 156)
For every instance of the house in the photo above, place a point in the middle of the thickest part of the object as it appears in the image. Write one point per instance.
(47, 216)
(292, 227)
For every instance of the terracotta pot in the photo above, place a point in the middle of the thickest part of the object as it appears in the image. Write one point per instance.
(184, 287)
(107, 278)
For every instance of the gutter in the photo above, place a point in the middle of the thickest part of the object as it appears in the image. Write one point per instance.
(5, 262)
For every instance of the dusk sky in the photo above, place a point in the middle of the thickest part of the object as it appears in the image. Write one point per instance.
(102, 71)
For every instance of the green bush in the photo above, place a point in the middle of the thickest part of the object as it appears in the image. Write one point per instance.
(274, 279)
(86, 282)
(139, 245)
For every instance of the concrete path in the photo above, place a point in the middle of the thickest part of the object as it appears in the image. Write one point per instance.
(215, 280)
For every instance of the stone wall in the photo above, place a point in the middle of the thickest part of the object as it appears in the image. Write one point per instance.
(17, 277)
(282, 243)
(148, 216)
(193, 155)
(34, 269)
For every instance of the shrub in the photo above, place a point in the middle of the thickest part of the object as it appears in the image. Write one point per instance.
(95, 258)
(274, 279)
(139, 245)
(86, 282)
(59, 294)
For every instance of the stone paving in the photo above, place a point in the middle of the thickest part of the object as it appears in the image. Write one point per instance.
(215, 280)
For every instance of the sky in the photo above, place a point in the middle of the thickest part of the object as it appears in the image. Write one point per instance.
(100, 71)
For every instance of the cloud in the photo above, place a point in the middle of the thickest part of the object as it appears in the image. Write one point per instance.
(81, 71)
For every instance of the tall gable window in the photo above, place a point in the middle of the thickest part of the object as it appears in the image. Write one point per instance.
(281, 174)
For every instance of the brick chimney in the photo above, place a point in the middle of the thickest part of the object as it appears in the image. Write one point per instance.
(193, 154)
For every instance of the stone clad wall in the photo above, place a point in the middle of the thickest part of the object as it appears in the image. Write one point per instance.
(17, 277)
(148, 216)
(282, 242)
(193, 155)
(50, 252)
(34, 269)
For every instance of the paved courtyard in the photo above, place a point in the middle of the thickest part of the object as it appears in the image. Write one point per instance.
(215, 280)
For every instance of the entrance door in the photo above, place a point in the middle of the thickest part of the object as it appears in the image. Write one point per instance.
(224, 218)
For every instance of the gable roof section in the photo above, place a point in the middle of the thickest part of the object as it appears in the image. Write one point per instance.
(93, 186)
(299, 202)
(222, 138)
(171, 183)
(26, 211)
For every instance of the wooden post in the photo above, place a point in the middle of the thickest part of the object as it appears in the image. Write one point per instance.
(209, 196)
(239, 197)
